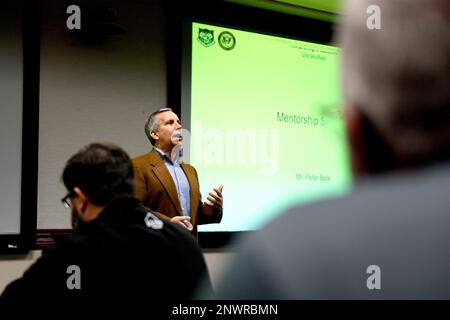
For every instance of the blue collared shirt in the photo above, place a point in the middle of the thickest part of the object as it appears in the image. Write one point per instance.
(180, 180)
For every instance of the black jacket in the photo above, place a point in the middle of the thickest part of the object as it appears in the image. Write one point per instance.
(127, 256)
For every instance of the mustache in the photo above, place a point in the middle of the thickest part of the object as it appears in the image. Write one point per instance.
(177, 134)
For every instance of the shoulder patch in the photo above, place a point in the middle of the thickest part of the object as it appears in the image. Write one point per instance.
(153, 221)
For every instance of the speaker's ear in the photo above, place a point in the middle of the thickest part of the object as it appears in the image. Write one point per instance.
(99, 20)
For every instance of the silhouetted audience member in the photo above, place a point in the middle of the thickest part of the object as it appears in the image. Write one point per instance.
(390, 238)
(120, 255)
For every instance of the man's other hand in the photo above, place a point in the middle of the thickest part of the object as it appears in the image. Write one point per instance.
(183, 221)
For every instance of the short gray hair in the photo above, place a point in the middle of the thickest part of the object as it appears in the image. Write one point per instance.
(399, 76)
(152, 124)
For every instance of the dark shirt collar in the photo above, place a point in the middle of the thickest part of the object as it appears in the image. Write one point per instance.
(163, 156)
(176, 154)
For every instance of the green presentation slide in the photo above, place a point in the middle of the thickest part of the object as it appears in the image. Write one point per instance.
(266, 122)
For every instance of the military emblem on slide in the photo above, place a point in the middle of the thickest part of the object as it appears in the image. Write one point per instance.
(206, 37)
(226, 40)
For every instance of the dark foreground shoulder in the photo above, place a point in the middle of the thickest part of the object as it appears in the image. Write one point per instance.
(143, 253)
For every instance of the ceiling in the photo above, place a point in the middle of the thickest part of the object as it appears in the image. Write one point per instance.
(318, 9)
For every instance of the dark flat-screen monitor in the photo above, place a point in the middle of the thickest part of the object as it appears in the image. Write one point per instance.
(264, 118)
(19, 61)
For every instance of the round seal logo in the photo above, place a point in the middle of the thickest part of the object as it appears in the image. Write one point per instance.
(226, 40)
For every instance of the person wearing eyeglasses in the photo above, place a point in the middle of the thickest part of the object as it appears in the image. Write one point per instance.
(119, 254)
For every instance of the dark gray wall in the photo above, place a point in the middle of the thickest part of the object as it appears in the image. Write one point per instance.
(100, 92)
(11, 78)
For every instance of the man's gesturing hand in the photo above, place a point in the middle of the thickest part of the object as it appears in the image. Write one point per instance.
(215, 198)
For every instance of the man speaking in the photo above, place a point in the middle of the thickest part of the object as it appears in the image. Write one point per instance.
(166, 185)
